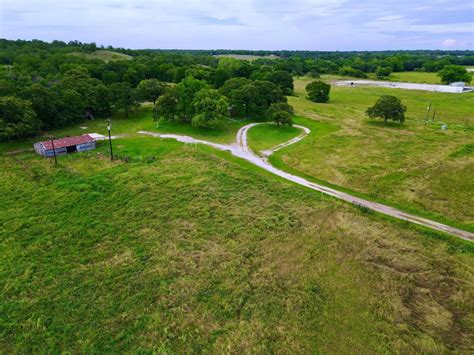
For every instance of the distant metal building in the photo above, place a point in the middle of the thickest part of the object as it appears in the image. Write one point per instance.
(65, 145)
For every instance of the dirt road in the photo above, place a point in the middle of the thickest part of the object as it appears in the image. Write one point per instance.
(241, 149)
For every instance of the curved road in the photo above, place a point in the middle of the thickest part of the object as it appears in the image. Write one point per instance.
(241, 149)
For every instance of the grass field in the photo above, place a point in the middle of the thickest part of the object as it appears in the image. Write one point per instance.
(407, 77)
(187, 249)
(413, 77)
(141, 119)
(415, 166)
(265, 137)
(104, 55)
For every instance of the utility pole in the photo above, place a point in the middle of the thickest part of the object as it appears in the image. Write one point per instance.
(428, 114)
(109, 126)
(54, 151)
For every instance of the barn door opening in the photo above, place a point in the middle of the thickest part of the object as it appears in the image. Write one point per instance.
(72, 149)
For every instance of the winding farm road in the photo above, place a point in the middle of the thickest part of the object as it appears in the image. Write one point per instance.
(241, 149)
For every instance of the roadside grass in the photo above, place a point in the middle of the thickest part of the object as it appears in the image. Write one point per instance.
(188, 249)
(413, 166)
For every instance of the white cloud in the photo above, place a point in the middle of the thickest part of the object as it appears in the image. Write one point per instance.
(449, 43)
(250, 24)
(389, 18)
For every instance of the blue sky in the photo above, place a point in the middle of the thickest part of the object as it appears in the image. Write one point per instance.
(245, 24)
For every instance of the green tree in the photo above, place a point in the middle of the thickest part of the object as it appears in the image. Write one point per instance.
(314, 73)
(122, 97)
(279, 106)
(45, 103)
(150, 90)
(17, 118)
(254, 98)
(244, 100)
(233, 84)
(186, 90)
(70, 107)
(284, 80)
(268, 93)
(383, 72)
(388, 108)
(282, 118)
(94, 94)
(452, 73)
(167, 105)
(211, 109)
(7, 88)
(318, 91)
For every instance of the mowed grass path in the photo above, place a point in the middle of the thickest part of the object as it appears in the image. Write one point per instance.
(187, 249)
(414, 166)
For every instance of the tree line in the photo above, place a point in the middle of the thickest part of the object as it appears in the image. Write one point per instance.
(46, 86)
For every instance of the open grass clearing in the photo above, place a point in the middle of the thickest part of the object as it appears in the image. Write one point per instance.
(186, 249)
(140, 119)
(413, 166)
(264, 137)
(411, 77)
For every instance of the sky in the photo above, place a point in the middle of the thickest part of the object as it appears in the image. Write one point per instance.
(245, 24)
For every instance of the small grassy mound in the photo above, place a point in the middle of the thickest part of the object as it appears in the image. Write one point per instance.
(104, 55)
(248, 57)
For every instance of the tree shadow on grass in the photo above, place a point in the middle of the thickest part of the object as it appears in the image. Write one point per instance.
(389, 124)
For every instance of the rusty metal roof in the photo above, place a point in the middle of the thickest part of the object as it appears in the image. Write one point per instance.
(67, 142)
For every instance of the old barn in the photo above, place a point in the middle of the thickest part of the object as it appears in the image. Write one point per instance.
(65, 145)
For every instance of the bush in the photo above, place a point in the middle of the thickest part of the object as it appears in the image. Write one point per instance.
(349, 71)
(383, 72)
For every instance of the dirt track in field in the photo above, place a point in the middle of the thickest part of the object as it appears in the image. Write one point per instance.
(241, 149)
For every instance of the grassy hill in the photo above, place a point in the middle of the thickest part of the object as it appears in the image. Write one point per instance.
(186, 249)
(104, 55)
